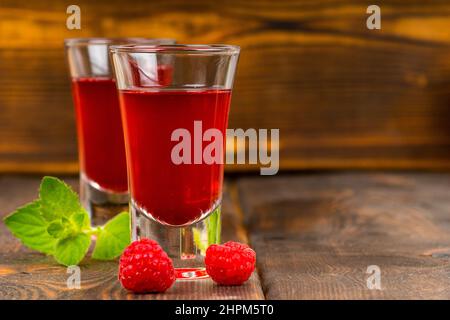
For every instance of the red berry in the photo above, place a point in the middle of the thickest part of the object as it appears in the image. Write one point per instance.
(231, 263)
(145, 267)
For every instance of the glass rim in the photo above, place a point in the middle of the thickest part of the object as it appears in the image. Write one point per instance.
(70, 42)
(177, 48)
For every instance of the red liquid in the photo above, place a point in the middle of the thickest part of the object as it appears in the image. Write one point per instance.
(172, 194)
(100, 133)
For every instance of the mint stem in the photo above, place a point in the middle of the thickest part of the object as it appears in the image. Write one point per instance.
(93, 231)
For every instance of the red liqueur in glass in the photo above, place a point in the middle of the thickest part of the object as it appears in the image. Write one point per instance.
(100, 133)
(174, 194)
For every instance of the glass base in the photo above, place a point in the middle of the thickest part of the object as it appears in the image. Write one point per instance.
(101, 204)
(190, 273)
(185, 245)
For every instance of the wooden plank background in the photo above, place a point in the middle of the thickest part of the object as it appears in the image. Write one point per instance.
(341, 95)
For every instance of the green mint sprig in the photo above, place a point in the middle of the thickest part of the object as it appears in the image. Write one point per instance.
(213, 227)
(56, 224)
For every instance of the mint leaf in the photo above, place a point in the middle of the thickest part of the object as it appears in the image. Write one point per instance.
(56, 229)
(113, 238)
(213, 226)
(27, 224)
(201, 245)
(58, 225)
(71, 250)
(81, 220)
(57, 199)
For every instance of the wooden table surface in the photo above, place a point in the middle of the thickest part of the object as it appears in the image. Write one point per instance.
(315, 236)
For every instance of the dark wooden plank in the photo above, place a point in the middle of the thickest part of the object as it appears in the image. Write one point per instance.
(29, 275)
(315, 235)
(342, 96)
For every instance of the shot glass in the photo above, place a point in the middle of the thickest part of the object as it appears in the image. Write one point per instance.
(101, 149)
(175, 101)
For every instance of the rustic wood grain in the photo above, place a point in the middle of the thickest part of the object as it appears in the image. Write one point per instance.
(341, 95)
(25, 274)
(315, 235)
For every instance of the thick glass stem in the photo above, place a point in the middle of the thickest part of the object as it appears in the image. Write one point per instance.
(186, 246)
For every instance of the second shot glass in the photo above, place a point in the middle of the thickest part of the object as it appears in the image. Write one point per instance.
(101, 149)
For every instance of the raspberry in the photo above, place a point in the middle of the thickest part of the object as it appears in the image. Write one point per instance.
(145, 267)
(231, 263)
